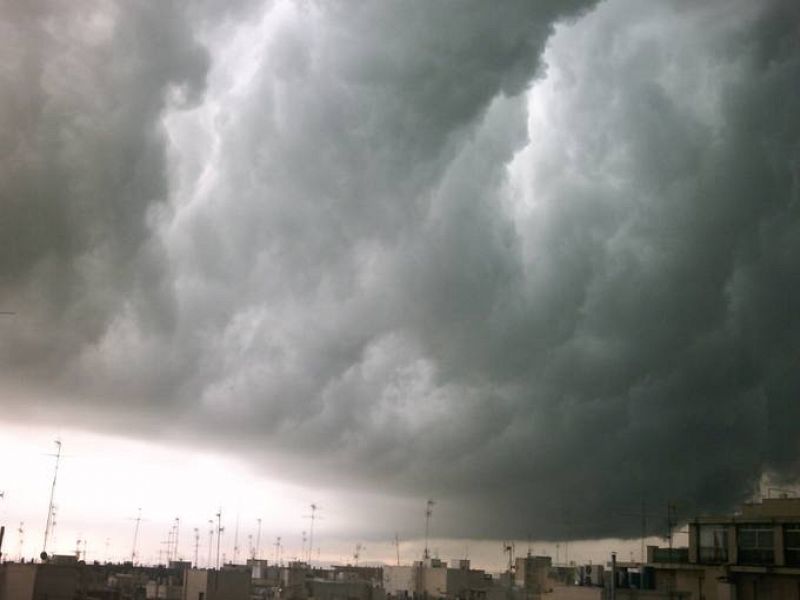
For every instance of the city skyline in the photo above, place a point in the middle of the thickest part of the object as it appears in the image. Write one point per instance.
(535, 260)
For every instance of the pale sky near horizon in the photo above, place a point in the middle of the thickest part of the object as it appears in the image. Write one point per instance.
(534, 260)
(102, 481)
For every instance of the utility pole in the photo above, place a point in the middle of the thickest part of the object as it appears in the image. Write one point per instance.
(50, 508)
(428, 512)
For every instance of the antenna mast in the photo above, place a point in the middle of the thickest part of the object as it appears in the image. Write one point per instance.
(196, 545)
(21, 532)
(236, 540)
(177, 532)
(357, 553)
(508, 548)
(397, 547)
(311, 533)
(220, 529)
(258, 541)
(49, 526)
(428, 512)
(136, 535)
(210, 541)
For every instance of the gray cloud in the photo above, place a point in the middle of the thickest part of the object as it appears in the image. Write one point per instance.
(352, 242)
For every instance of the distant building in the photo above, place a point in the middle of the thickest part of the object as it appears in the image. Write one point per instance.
(432, 578)
(228, 583)
(531, 573)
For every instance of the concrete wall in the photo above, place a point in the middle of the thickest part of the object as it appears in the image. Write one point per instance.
(226, 584)
(772, 507)
(651, 595)
(466, 583)
(400, 580)
(767, 587)
(708, 583)
(37, 581)
(322, 589)
(434, 581)
(195, 584)
(574, 593)
(17, 581)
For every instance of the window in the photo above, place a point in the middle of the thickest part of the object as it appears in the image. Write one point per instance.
(713, 544)
(756, 545)
(791, 544)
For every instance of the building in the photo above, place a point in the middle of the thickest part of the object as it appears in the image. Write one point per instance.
(34, 581)
(751, 555)
(532, 573)
(229, 583)
(432, 578)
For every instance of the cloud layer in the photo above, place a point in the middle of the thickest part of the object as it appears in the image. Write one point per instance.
(535, 261)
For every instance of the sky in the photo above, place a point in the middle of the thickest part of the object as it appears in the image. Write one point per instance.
(534, 260)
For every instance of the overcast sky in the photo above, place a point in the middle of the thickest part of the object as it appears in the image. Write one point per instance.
(536, 260)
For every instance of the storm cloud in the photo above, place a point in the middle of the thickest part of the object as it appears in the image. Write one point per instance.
(537, 260)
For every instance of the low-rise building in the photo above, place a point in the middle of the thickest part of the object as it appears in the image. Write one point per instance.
(228, 583)
(433, 578)
(753, 554)
(532, 573)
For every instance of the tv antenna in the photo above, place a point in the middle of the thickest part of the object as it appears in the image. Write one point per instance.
(210, 541)
(428, 513)
(220, 529)
(258, 541)
(357, 553)
(397, 547)
(138, 520)
(508, 548)
(177, 534)
(50, 525)
(196, 545)
(313, 516)
(236, 540)
(21, 540)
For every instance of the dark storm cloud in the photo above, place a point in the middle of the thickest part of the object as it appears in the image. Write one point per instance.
(344, 240)
(83, 87)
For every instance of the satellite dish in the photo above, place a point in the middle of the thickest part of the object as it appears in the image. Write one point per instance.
(43, 556)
